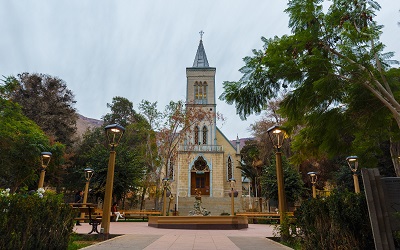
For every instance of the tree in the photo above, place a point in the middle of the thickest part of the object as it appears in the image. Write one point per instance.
(47, 101)
(122, 112)
(93, 151)
(149, 147)
(177, 125)
(21, 142)
(251, 165)
(329, 61)
(294, 186)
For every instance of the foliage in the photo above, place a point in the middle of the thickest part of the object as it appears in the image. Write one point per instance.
(339, 90)
(130, 165)
(47, 101)
(294, 186)
(122, 112)
(28, 221)
(344, 179)
(176, 125)
(340, 221)
(93, 152)
(251, 165)
(21, 142)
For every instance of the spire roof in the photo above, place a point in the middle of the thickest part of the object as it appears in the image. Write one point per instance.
(200, 61)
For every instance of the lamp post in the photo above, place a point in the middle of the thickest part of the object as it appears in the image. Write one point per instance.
(276, 135)
(88, 175)
(45, 158)
(165, 185)
(313, 177)
(114, 133)
(353, 164)
(232, 183)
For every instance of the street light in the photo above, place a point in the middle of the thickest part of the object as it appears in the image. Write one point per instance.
(353, 164)
(114, 133)
(165, 186)
(45, 157)
(88, 175)
(276, 135)
(313, 177)
(232, 183)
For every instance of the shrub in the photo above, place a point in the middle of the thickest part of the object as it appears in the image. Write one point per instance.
(340, 221)
(34, 221)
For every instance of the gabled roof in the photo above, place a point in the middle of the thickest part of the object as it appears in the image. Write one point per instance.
(200, 61)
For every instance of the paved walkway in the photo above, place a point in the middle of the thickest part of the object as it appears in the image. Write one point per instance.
(137, 235)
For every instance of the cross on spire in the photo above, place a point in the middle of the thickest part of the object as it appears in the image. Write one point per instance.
(201, 34)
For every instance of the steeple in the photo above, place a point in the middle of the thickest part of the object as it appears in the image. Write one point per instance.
(200, 61)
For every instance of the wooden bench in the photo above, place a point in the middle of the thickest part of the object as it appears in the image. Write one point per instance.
(265, 216)
(88, 209)
(144, 214)
(99, 214)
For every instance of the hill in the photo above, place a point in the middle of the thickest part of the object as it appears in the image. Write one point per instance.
(84, 123)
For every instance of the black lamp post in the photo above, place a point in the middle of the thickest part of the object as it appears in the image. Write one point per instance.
(277, 135)
(114, 134)
(45, 158)
(353, 164)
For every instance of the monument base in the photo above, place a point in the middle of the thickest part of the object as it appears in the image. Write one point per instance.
(199, 222)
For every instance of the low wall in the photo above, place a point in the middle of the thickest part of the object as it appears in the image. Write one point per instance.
(199, 222)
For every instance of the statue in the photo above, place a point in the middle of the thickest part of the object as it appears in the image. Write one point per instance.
(198, 209)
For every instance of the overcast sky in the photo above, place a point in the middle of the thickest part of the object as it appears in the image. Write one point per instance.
(140, 49)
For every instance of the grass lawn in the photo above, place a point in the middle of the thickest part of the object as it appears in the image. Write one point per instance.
(78, 241)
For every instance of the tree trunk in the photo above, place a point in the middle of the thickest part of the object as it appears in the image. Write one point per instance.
(395, 153)
(142, 198)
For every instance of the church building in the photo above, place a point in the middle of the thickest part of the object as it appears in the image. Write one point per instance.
(212, 160)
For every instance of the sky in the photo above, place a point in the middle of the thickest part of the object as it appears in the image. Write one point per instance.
(140, 49)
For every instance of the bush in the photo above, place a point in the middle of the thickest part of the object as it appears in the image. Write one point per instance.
(35, 221)
(340, 221)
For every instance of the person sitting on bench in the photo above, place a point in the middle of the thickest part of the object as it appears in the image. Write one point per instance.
(114, 211)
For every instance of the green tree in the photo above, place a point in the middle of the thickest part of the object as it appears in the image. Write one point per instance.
(21, 142)
(47, 101)
(149, 147)
(130, 163)
(332, 63)
(122, 112)
(251, 165)
(294, 186)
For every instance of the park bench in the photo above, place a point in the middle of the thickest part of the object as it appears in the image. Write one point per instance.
(265, 215)
(144, 214)
(87, 212)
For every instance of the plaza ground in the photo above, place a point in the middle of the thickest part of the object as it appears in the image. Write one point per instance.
(137, 235)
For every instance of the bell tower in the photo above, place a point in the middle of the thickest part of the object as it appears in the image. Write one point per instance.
(200, 93)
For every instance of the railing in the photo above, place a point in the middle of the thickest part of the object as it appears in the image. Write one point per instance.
(201, 148)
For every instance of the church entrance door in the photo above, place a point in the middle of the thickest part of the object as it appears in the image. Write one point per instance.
(201, 182)
(200, 177)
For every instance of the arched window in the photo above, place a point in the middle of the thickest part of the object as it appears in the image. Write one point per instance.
(196, 135)
(200, 165)
(205, 131)
(200, 92)
(229, 168)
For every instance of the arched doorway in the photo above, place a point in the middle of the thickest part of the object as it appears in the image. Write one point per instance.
(200, 177)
